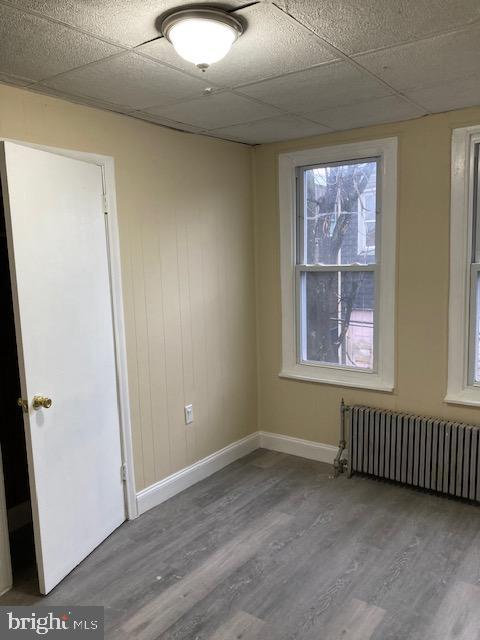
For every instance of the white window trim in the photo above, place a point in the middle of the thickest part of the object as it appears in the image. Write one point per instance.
(383, 379)
(459, 391)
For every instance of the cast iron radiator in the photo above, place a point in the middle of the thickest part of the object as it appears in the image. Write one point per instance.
(424, 452)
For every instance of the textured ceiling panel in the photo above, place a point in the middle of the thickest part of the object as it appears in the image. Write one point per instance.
(418, 56)
(439, 59)
(128, 22)
(273, 44)
(319, 88)
(165, 122)
(450, 95)
(216, 110)
(363, 25)
(129, 80)
(33, 48)
(271, 130)
(362, 114)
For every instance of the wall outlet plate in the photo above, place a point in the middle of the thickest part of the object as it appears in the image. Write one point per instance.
(188, 413)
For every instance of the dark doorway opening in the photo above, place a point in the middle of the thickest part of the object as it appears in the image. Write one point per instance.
(12, 434)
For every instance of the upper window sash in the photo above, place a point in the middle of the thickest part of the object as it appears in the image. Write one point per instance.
(475, 215)
(303, 255)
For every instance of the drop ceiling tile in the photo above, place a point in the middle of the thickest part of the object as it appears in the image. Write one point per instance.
(442, 58)
(365, 25)
(32, 48)
(271, 130)
(128, 22)
(227, 138)
(362, 114)
(272, 44)
(129, 80)
(445, 96)
(165, 122)
(318, 88)
(216, 110)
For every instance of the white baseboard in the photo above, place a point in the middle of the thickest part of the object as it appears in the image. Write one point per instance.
(157, 493)
(298, 447)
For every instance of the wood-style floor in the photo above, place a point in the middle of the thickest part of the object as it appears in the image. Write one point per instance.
(271, 548)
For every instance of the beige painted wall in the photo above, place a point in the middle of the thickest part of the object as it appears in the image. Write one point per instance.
(310, 410)
(186, 230)
(186, 233)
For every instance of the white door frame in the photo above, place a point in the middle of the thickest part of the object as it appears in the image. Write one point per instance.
(107, 165)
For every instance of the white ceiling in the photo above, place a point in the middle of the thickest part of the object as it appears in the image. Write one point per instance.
(302, 66)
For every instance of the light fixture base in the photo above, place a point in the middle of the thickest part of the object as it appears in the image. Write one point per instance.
(205, 13)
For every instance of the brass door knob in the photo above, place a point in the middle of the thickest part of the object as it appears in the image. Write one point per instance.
(41, 401)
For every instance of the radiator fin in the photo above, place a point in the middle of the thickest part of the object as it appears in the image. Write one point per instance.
(414, 450)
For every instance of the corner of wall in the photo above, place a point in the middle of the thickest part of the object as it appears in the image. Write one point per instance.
(255, 267)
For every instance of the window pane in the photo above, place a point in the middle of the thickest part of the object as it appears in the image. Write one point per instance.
(476, 328)
(338, 317)
(476, 207)
(340, 213)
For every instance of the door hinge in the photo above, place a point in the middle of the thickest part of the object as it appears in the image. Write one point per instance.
(123, 472)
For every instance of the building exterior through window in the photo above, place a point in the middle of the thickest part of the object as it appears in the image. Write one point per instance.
(337, 229)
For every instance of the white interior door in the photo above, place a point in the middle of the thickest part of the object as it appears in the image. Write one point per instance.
(60, 281)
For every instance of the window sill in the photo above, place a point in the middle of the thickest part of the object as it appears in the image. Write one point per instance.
(469, 396)
(337, 377)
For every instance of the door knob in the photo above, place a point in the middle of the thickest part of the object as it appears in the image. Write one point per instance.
(41, 401)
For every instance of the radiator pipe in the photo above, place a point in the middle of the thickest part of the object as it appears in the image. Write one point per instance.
(340, 464)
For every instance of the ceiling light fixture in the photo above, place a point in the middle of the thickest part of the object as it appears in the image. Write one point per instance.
(202, 36)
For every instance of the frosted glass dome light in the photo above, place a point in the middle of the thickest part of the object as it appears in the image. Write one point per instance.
(202, 36)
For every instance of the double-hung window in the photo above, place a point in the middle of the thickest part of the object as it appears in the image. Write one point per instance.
(337, 208)
(464, 312)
